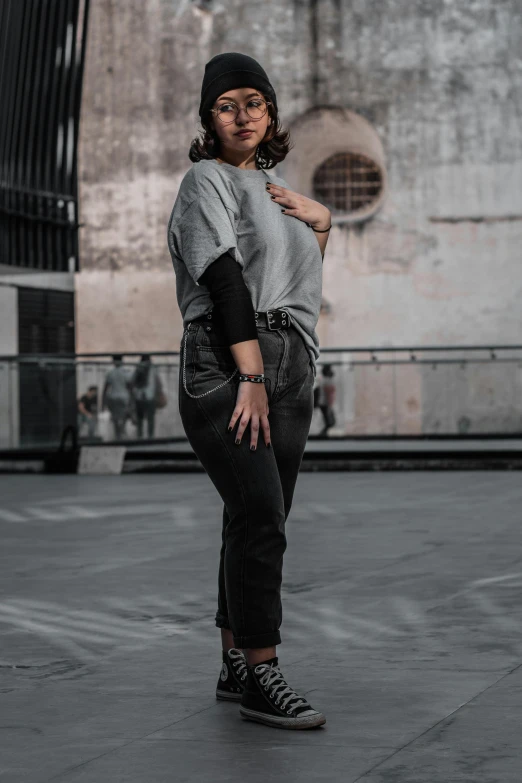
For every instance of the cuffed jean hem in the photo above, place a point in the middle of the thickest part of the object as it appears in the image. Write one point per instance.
(222, 621)
(258, 640)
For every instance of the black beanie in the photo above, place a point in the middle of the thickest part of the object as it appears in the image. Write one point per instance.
(228, 71)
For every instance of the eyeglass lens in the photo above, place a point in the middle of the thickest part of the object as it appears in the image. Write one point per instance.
(255, 108)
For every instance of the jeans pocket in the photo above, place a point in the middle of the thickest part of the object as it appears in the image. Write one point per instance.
(213, 359)
(212, 368)
(210, 338)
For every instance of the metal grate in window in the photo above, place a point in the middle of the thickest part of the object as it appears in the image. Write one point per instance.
(42, 45)
(45, 321)
(347, 182)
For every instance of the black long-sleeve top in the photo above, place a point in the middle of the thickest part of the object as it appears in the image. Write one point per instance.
(231, 299)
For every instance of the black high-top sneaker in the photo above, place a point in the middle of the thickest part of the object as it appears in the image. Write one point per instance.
(268, 698)
(233, 675)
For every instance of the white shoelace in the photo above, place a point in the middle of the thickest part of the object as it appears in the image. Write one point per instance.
(238, 660)
(273, 680)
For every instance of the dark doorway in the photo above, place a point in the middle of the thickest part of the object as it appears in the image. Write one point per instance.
(47, 384)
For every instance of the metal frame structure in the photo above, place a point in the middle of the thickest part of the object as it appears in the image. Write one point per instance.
(42, 52)
(463, 393)
(348, 182)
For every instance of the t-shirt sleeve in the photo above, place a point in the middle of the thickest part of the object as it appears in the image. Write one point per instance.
(231, 298)
(203, 233)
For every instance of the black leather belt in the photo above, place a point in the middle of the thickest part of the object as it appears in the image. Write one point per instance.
(271, 319)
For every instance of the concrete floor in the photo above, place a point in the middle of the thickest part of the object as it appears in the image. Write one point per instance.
(402, 622)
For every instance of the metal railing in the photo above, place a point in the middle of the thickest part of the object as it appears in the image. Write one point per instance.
(413, 392)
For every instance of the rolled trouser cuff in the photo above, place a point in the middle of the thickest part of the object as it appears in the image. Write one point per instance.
(222, 621)
(256, 640)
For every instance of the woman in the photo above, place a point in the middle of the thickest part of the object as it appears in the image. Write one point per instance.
(116, 396)
(144, 388)
(247, 252)
(326, 398)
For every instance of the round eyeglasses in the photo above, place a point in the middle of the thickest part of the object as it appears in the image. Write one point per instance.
(255, 108)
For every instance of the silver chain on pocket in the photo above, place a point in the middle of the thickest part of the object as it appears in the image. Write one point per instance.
(196, 396)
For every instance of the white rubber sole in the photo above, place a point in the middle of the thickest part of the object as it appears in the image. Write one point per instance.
(308, 722)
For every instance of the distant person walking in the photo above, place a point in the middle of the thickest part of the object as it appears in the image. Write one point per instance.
(326, 391)
(116, 396)
(88, 411)
(145, 387)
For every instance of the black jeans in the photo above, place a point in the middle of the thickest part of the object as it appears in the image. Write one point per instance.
(145, 409)
(118, 409)
(256, 487)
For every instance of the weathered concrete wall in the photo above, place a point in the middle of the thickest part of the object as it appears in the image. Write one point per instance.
(440, 84)
(127, 311)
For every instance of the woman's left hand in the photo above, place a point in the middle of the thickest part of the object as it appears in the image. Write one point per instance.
(301, 207)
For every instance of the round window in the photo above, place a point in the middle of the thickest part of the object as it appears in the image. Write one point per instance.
(348, 183)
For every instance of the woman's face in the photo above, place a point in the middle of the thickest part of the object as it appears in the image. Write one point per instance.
(227, 131)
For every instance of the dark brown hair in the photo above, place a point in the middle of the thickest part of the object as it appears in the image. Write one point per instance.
(272, 150)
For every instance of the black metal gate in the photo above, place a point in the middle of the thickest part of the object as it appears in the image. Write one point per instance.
(42, 48)
(47, 385)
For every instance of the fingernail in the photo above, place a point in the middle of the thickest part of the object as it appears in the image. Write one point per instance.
(268, 445)
(238, 442)
(272, 197)
(252, 448)
(229, 429)
(282, 210)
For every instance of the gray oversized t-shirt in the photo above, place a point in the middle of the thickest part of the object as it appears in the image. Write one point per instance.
(221, 207)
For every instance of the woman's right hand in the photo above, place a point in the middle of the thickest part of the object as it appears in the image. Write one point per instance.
(251, 406)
